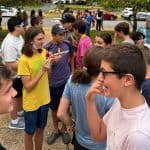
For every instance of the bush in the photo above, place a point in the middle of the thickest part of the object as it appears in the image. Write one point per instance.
(67, 2)
(3, 33)
(93, 34)
(80, 2)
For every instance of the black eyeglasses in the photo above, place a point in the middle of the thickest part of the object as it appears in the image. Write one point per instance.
(105, 73)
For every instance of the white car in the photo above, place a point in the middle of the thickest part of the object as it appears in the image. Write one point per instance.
(127, 13)
(8, 11)
(141, 16)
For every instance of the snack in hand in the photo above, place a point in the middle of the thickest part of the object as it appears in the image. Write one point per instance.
(47, 55)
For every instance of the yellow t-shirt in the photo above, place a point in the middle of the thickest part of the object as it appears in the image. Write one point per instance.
(40, 94)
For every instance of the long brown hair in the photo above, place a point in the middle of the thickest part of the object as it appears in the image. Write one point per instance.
(29, 36)
(91, 67)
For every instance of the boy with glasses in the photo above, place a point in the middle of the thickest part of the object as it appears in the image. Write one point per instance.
(127, 124)
(11, 51)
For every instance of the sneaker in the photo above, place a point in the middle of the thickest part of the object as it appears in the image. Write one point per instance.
(66, 138)
(21, 115)
(52, 138)
(19, 125)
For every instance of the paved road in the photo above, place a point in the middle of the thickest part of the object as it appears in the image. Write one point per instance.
(48, 22)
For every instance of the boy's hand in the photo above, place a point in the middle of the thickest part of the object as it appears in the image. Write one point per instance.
(96, 88)
(56, 58)
(48, 55)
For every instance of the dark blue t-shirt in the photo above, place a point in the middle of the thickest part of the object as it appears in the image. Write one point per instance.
(60, 70)
(146, 90)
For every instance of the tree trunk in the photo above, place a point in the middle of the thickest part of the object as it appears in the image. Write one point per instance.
(134, 20)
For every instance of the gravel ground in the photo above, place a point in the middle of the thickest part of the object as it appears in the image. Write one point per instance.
(13, 139)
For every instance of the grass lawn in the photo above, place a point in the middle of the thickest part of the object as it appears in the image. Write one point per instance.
(53, 12)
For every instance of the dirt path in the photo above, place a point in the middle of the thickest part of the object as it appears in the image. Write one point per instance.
(13, 139)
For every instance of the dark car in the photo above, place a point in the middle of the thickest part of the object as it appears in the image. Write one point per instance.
(109, 16)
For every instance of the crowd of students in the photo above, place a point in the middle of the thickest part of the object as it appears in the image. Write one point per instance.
(102, 83)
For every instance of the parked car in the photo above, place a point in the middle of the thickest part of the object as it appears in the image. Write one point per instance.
(141, 16)
(9, 11)
(109, 16)
(127, 13)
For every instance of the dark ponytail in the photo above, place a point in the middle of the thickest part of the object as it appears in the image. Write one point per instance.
(91, 67)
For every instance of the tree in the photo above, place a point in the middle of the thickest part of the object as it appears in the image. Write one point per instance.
(137, 5)
(19, 2)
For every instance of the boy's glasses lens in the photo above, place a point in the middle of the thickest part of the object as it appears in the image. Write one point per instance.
(105, 73)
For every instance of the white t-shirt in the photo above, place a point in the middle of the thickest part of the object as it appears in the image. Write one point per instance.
(11, 48)
(129, 41)
(128, 129)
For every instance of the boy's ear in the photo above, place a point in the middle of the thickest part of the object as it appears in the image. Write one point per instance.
(129, 80)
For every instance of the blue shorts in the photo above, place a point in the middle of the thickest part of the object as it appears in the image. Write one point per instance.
(36, 119)
(56, 93)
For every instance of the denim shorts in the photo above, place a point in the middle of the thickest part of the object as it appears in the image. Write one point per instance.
(36, 119)
(56, 94)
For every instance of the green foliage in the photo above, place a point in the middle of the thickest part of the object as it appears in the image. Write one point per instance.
(93, 34)
(81, 7)
(137, 4)
(3, 33)
(81, 2)
(19, 3)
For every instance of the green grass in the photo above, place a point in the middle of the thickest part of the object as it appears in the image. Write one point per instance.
(52, 13)
(82, 7)
(93, 34)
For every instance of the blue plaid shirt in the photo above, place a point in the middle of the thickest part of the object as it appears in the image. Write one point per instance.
(146, 32)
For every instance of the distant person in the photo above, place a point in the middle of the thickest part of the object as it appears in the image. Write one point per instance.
(19, 15)
(126, 124)
(74, 97)
(85, 42)
(33, 69)
(67, 21)
(146, 30)
(7, 92)
(32, 14)
(138, 38)
(40, 15)
(36, 22)
(122, 30)
(66, 10)
(88, 20)
(93, 19)
(99, 20)
(78, 15)
(103, 40)
(11, 51)
(146, 83)
(25, 19)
